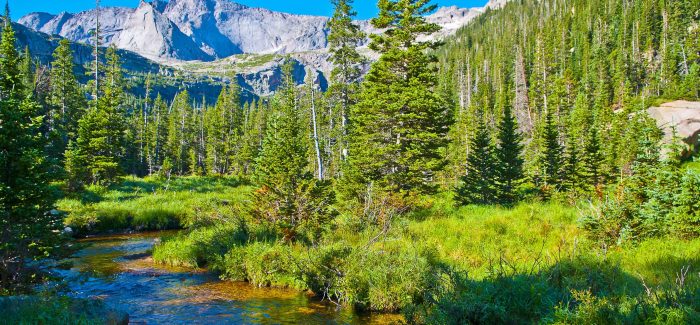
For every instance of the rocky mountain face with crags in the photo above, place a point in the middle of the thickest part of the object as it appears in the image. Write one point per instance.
(215, 36)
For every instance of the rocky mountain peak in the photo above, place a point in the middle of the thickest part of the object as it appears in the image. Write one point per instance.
(185, 30)
(148, 32)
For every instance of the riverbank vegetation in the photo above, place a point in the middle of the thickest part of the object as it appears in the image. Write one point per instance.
(509, 176)
(533, 262)
(152, 203)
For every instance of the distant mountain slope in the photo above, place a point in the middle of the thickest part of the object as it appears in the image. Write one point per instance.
(149, 33)
(207, 30)
(198, 44)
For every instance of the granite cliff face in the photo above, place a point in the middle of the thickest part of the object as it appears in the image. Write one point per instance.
(189, 29)
(205, 38)
(149, 33)
(207, 30)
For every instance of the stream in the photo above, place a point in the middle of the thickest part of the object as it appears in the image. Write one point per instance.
(120, 271)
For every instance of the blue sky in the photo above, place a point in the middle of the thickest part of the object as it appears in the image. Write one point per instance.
(365, 8)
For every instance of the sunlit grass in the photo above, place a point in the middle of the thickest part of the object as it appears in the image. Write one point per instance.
(152, 203)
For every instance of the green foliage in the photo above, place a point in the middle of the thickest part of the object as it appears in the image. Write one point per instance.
(66, 100)
(478, 185)
(578, 291)
(96, 157)
(399, 125)
(509, 161)
(200, 247)
(550, 159)
(289, 196)
(576, 78)
(28, 231)
(152, 204)
(224, 126)
(57, 310)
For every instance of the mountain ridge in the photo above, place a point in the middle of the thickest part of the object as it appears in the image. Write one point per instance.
(216, 29)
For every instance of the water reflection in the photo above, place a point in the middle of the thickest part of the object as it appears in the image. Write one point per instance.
(119, 270)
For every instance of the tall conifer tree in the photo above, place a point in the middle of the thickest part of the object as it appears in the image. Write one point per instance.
(289, 196)
(28, 231)
(65, 98)
(508, 157)
(343, 39)
(478, 185)
(399, 126)
(97, 155)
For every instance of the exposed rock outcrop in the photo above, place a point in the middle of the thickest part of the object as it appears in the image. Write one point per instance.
(154, 36)
(681, 116)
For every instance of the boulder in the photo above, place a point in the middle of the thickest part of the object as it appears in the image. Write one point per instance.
(681, 116)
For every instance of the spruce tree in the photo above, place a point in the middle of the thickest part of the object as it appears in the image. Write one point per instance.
(289, 197)
(217, 139)
(508, 158)
(28, 231)
(66, 100)
(96, 156)
(479, 185)
(11, 79)
(399, 126)
(344, 38)
(158, 135)
(254, 133)
(551, 158)
(179, 131)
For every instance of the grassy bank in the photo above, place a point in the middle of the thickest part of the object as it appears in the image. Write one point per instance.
(152, 203)
(438, 264)
(530, 263)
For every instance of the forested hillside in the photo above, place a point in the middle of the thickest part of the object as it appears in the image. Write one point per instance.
(588, 67)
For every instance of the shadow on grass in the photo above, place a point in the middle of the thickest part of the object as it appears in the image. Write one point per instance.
(580, 290)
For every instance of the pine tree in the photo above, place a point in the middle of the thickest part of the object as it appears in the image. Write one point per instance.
(508, 158)
(399, 126)
(158, 135)
(27, 70)
(179, 131)
(96, 157)
(27, 230)
(479, 185)
(254, 133)
(343, 40)
(66, 100)
(11, 80)
(216, 120)
(551, 158)
(289, 196)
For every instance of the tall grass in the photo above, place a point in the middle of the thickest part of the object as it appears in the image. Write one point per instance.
(528, 263)
(152, 203)
(441, 263)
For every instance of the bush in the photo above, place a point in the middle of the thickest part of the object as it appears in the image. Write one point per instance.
(386, 279)
(200, 247)
(587, 289)
(648, 207)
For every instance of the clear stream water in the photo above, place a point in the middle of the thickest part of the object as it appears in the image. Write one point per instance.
(120, 271)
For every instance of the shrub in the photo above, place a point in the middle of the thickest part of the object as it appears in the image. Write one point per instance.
(662, 201)
(200, 247)
(384, 279)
